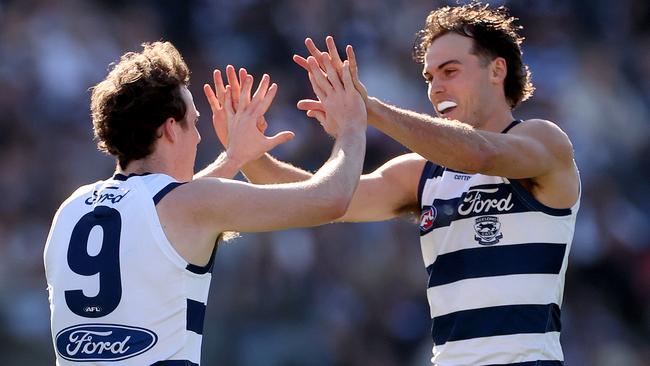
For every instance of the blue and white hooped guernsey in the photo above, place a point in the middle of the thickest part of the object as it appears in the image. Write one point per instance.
(496, 259)
(119, 292)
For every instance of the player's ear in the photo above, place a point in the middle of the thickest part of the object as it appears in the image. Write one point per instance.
(498, 70)
(167, 130)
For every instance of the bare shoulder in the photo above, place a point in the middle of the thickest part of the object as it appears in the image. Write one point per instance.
(402, 170)
(549, 134)
(403, 174)
(559, 186)
(184, 214)
(196, 196)
(405, 162)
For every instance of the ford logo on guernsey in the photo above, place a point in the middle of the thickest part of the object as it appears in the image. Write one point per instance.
(103, 342)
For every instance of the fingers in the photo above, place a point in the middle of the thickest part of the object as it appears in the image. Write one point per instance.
(231, 75)
(245, 92)
(280, 138)
(301, 61)
(230, 111)
(218, 84)
(215, 106)
(332, 74)
(262, 87)
(309, 104)
(313, 50)
(347, 78)
(333, 52)
(320, 116)
(320, 94)
(242, 74)
(318, 76)
(354, 71)
(266, 101)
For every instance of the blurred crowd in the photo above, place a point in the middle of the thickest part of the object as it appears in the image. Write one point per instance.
(344, 294)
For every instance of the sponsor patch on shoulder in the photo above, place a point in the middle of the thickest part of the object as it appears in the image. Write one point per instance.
(103, 342)
(427, 217)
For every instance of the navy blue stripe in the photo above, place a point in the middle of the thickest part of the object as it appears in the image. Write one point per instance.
(119, 176)
(496, 321)
(528, 199)
(163, 192)
(203, 269)
(175, 363)
(498, 260)
(423, 179)
(511, 125)
(456, 171)
(532, 363)
(195, 316)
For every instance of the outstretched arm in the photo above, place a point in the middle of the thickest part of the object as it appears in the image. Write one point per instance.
(321, 198)
(385, 193)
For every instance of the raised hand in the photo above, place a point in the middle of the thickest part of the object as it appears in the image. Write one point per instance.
(340, 105)
(335, 59)
(238, 119)
(216, 101)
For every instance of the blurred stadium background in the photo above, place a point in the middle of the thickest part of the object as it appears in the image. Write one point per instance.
(347, 294)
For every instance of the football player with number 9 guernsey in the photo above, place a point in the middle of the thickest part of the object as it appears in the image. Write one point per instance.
(128, 259)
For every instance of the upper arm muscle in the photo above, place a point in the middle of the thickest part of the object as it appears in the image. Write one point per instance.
(531, 150)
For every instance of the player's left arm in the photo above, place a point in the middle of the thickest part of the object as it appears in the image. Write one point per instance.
(536, 150)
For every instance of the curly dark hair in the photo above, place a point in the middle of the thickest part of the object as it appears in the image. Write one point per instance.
(494, 34)
(141, 91)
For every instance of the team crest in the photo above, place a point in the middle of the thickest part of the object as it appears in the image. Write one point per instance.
(427, 217)
(488, 230)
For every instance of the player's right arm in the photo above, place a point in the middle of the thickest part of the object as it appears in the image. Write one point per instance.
(387, 192)
(383, 194)
(317, 200)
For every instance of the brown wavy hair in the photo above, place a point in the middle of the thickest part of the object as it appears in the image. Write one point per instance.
(140, 92)
(494, 34)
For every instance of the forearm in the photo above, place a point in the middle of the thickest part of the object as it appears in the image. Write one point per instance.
(339, 176)
(222, 167)
(452, 144)
(268, 170)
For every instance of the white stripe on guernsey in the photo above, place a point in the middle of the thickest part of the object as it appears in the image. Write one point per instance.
(428, 192)
(516, 229)
(198, 289)
(191, 348)
(433, 190)
(517, 289)
(499, 350)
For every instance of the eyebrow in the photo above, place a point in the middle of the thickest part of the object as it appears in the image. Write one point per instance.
(427, 74)
(447, 63)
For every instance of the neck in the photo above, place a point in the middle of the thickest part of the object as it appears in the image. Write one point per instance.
(497, 119)
(149, 164)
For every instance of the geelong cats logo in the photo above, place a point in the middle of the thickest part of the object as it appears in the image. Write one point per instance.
(103, 342)
(488, 230)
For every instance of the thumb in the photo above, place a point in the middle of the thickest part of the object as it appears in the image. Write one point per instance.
(280, 138)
